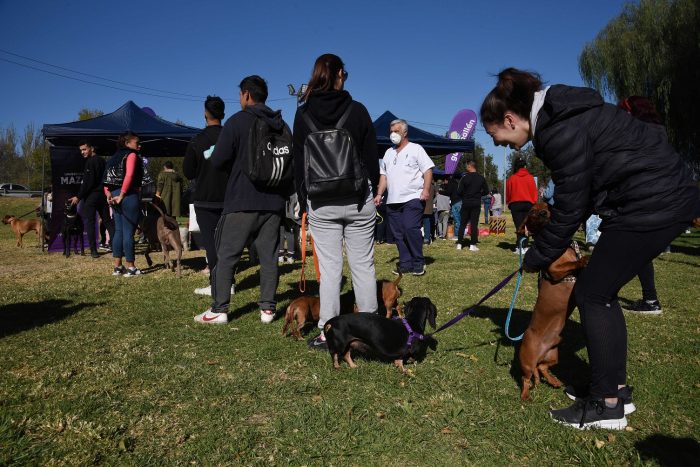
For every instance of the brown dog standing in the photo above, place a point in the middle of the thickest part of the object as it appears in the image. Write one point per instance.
(388, 294)
(538, 351)
(23, 226)
(168, 232)
(299, 311)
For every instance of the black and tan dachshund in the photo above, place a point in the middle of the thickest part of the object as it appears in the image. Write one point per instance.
(384, 338)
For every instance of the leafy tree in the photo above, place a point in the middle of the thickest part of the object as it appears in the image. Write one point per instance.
(35, 152)
(9, 158)
(86, 114)
(652, 49)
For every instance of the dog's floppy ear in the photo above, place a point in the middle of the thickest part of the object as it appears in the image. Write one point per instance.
(432, 313)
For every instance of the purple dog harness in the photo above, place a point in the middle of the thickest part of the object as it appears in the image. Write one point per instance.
(411, 335)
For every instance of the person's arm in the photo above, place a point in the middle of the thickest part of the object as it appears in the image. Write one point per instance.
(128, 177)
(425, 165)
(189, 165)
(427, 182)
(298, 138)
(485, 188)
(380, 190)
(369, 151)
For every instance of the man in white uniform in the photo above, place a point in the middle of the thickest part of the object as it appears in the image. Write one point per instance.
(406, 172)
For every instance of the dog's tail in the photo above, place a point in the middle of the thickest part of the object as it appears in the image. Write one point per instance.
(398, 279)
(169, 221)
(288, 318)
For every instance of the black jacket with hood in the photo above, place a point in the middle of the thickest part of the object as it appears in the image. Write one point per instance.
(229, 152)
(325, 109)
(471, 188)
(607, 162)
(210, 183)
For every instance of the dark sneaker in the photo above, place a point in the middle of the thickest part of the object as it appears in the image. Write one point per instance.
(318, 343)
(419, 272)
(624, 393)
(119, 270)
(592, 413)
(94, 254)
(645, 307)
(131, 272)
(398, 271)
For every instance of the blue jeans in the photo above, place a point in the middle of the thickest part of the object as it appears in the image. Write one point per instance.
(405, 221)
(427, 228)
(487, 207)
(456, 208)
(126, 219)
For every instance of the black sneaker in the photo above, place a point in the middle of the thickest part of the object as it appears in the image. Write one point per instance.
(94, 254)
(645, 307)
(398, 270)
(119, 270)
(419, 272)
(581, 392)
(131, 272)
(592, 413)
(318, 343)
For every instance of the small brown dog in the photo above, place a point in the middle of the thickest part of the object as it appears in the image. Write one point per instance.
(299, 311)
(388, 294)
(167, 231)
(538, 351)
(23, 226)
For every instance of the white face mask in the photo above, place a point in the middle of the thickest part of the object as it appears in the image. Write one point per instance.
(395, 138)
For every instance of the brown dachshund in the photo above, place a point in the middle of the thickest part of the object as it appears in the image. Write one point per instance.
(538, 351)
(388, 294)
(299, 311)
(23, 226)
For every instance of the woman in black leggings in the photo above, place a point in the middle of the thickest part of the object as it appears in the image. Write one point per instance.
(604, 161)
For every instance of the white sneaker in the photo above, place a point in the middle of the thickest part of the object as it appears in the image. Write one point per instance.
(517, 251)
(266, 316)
(290, 259)
(207, 290)
(459, 246)
(211, 318)
(473, 248)
(280, 259)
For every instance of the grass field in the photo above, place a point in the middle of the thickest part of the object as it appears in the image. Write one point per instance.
(96, 369)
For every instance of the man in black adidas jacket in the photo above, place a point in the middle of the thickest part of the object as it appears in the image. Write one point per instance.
(248, 212)
(92, 194)
(209, 182)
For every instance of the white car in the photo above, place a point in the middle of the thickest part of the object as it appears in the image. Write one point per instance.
(15, 189)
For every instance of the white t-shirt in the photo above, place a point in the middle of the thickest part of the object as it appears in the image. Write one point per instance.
(404, 172)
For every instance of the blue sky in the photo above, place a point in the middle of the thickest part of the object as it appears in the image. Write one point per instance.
(423, 60)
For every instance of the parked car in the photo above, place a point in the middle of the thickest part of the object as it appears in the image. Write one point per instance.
(16, 190)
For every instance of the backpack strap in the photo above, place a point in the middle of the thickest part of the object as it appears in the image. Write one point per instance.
(308, 121)
(341, 121)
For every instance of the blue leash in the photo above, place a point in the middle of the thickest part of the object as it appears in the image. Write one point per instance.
(515, 294)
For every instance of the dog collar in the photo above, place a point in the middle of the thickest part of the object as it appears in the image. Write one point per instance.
(571, 277)
(411, 335)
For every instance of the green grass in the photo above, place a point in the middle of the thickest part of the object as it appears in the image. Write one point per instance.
(101, 369)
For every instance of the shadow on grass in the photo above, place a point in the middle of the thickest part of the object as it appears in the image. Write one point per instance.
(571, 369)
(669, 451)
(428, 259)
(18, 317)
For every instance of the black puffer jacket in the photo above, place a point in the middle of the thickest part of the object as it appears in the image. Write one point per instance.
(607, 162)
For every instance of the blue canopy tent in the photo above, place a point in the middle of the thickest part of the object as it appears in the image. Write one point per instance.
(158, 138)
(433, 144)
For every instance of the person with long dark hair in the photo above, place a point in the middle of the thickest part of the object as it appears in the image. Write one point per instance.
(334, 222)
(605, 161)
(123, 176)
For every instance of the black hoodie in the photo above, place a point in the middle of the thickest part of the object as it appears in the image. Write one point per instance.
(210, 183)
(241, 194)
(325, 109)
(603, 160)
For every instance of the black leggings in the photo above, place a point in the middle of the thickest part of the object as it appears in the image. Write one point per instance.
(519, 210)
(646, 278)
(617, 258)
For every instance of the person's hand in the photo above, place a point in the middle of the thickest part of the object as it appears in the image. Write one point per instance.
(378, 200)
(425, 195)
(117, 199)
(74, 200)
(527, 268)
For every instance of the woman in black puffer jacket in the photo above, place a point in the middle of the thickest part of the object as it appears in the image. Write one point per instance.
(602, 161)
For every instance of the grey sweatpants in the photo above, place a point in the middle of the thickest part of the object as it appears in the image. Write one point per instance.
(330, 225)
(232, 234)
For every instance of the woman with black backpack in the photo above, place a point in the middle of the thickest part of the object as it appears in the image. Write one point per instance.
(336, 171)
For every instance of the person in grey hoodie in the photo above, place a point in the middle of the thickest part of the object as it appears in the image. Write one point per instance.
(249, 212)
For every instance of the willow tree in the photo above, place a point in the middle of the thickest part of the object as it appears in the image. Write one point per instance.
(652, 49)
